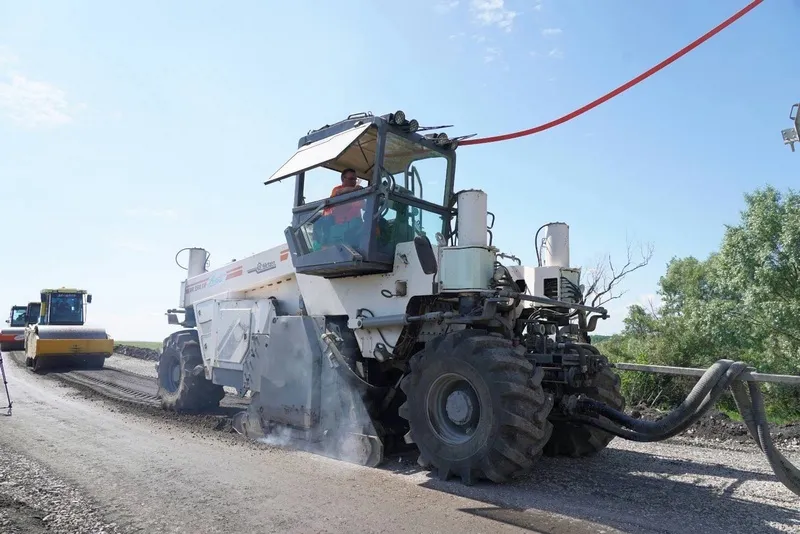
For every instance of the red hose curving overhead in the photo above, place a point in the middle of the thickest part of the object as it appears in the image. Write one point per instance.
(622, 88)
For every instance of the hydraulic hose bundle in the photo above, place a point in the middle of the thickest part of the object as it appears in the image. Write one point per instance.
(722, 375)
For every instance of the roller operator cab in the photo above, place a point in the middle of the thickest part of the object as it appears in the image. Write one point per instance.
(387, 319)
(56, 335)
(12, 337)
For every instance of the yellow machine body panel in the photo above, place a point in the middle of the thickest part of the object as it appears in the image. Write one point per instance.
(46, 347)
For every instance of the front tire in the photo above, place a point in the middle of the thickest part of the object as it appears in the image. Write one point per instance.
(179, 387)
(476, 407)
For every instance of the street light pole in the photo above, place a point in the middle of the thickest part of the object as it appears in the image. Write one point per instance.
(790, 135)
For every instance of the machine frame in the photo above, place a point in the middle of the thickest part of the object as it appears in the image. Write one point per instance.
(342, 341)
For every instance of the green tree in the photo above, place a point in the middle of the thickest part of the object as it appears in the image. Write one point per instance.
(742, 302)
(759, 265)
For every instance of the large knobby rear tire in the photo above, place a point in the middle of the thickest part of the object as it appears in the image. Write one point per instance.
(476, 407)
(179, 387)
(579, 440)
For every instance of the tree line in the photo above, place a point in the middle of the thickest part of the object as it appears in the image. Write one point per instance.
(742, 302)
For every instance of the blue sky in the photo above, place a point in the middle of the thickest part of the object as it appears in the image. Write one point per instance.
(130, 131)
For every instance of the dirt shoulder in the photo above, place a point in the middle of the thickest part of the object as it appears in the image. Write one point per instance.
(717, 427)
(140, 353)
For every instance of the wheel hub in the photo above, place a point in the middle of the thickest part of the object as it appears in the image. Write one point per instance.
(453, 409)
(170, 374)
(175, 372)
(459, 407)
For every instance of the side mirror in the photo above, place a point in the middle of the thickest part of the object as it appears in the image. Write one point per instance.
(8, 321)
(89, 298)
(172, 319)
(427, 259)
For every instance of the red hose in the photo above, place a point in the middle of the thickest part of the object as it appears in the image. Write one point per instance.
(608, 96)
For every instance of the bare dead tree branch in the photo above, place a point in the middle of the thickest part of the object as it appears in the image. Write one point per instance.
(605, 279)
(601, 288)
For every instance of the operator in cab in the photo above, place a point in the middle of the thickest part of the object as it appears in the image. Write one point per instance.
(346, 212)
(343, 222)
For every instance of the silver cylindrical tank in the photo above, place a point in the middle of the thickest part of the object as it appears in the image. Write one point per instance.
(472, 213)
(556, 245)
(197, 261)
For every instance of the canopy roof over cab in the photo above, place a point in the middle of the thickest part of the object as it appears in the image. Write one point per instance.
(354, 148)
(64, 290)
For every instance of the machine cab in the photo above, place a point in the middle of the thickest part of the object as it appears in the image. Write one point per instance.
(17, 317)
(407, 183)
(63, 306)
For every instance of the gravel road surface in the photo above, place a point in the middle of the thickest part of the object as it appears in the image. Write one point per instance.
(34, 500)
(159, 474)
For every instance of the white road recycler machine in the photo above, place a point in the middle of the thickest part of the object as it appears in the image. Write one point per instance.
(400, 326)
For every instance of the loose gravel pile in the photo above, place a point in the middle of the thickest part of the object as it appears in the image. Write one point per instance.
(33, 500)
(137, 352)
(719, 427)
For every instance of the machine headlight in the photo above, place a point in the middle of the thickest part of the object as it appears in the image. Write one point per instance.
(399, 117)
(413, 125)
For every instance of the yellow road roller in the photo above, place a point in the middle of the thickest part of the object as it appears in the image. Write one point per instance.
(57, 337)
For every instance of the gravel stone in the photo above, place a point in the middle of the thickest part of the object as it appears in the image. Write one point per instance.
(34, 500)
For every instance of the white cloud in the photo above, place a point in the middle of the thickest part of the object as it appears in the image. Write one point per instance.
(150, 213)
(445, 6)
(556, 53)
(549, 32)
(491, 54)
(31, 104)
(493, 13)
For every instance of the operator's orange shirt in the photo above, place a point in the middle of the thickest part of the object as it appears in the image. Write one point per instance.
(344, 212)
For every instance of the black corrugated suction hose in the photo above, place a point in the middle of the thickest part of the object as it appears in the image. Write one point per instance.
(722, 375)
